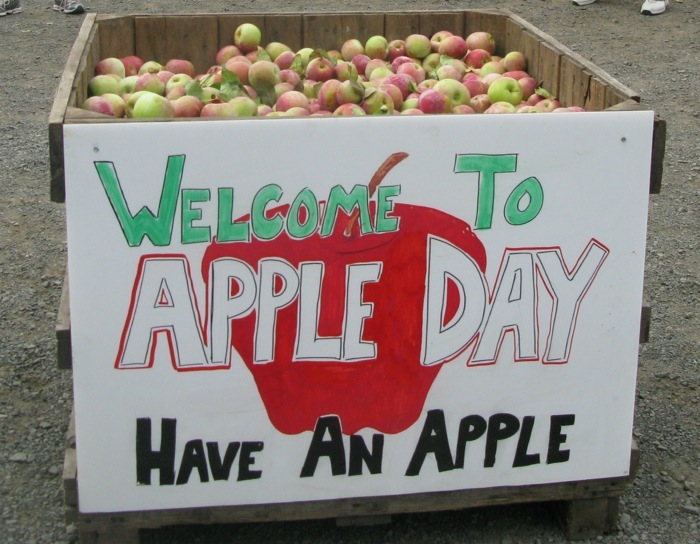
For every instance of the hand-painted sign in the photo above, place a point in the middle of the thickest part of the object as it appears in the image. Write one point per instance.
(262, 309)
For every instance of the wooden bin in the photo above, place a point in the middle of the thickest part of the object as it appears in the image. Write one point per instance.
(589, 508)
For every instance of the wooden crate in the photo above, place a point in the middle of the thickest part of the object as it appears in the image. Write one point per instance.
(587, 508)
(575, 80)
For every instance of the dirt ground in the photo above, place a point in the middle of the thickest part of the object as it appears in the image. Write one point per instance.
(657, 56)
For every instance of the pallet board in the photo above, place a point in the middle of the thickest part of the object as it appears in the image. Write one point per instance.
(563, 72)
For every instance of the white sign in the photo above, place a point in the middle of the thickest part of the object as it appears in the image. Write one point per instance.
(280, 310)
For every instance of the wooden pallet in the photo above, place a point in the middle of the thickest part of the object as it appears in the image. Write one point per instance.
(585, 509)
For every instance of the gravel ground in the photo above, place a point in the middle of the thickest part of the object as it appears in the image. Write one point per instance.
(658, 56)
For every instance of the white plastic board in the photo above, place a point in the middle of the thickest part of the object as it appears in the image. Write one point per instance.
(476, 326)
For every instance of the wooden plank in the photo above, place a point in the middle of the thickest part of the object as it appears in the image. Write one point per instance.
(149, 37)
(116, 36)
(573, 83)
(589, 518)
(194, 38)
(432, 22)
(398, 26)
(63, 346)
(530, 47)
(645, 323)
(658, 151)
(513, 36)
(322, 31)
(596, 95)
(284, 28)
(548, 68)
(70, 478)
(61, 101)
(361, 26)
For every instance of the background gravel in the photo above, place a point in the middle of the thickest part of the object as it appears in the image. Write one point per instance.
(658, 56)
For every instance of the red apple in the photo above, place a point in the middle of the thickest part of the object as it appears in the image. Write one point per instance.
(180, 66)
(432, 101)
(385, 392)
(481, 40)
(187, 106)
(349, 109)
(227, 52)
(476, 58)
(98, 104)
(320, 69)
(132, 65)
(438, 37)
(110, 65)
(453, 46)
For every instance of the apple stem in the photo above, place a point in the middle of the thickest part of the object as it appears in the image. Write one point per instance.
(391, 161)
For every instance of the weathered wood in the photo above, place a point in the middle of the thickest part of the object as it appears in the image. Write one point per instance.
(322, 31)
(432, 22)
(60, 104)
(589, 518)
(70, 478)
(548, 68)
(63, 346)
(363, 521)
(658, 151)
(645, 324)
(116, 35)
(286, 29)
(398, 26)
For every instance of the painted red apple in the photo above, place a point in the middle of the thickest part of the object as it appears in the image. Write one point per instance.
(385, 392)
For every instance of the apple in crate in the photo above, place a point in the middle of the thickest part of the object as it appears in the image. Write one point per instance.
(153, 106)
(110, 65)
(247, 37)
(98, 104)
(505, 89)
(187, 106)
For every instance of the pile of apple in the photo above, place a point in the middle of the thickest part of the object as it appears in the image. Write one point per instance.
(442, 74)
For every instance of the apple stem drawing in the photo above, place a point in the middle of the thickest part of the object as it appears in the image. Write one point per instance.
(391, 161)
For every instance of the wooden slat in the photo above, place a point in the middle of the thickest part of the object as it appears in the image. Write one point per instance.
(596, 95)
(548, 68)
(149, 42)
(322, 31)
(398, 26)
(194, 38)
(361, 26)
(116, 35)
(513, 37)
(573, 83)
(530, 47)
(62, 99)
(283, 28)
(432, 22)
(658, 151)
(63, 346)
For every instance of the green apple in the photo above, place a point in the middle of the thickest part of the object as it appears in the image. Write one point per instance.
(505, 89)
